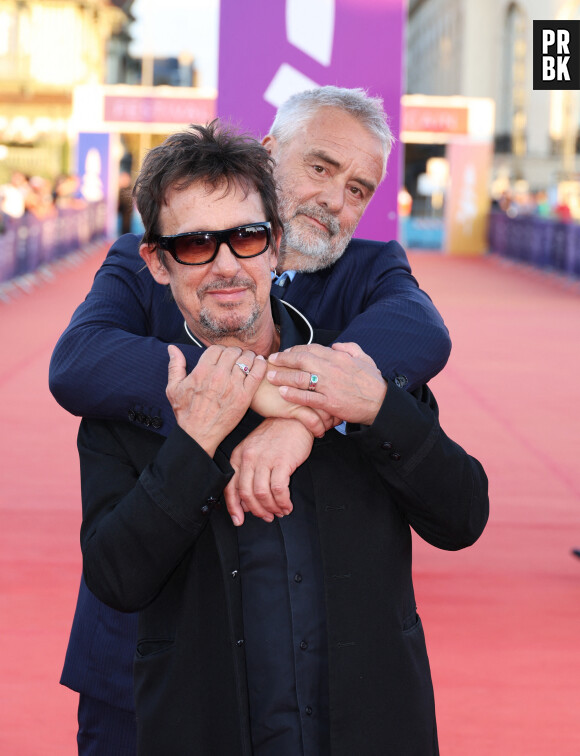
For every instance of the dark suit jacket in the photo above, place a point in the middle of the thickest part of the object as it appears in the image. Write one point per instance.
(369, 295)
(157, 539)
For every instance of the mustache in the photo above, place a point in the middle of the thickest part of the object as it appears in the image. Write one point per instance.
(327, 219)
(233, 283)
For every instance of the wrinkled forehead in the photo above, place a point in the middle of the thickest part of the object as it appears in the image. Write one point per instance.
(341, 136)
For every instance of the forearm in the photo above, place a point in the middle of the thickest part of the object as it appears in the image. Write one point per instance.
(441, 490)
(137, 528)
(406, 337)
(109, 362)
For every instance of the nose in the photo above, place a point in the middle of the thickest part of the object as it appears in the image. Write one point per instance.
(225, 264)
(331, 196)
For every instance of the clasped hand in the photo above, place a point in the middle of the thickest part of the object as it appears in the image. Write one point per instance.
(349, 387)
(210, 401)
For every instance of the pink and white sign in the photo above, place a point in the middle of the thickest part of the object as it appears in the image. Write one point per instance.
(271, 50)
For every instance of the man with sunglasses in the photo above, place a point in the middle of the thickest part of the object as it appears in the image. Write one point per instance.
(330, 147)
(298, 635)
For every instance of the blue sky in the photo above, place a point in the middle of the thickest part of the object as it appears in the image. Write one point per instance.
(170, 27)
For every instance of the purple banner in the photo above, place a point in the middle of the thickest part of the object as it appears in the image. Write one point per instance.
(270, 50)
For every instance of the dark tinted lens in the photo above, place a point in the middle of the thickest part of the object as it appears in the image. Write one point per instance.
(249, 240)
(195, 248)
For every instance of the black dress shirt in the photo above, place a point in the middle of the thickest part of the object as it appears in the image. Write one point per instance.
(284, 620)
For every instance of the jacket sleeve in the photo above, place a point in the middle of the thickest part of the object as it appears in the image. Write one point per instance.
(109, 362)
(440, 490)
(396, 323)
(137, 528)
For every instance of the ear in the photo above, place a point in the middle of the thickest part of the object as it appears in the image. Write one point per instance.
(271, 144)
(159, 272)
(274, 248)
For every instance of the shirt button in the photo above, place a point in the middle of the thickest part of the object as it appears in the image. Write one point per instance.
(395, 455)
(308, 710)
(211, 500)
(234, 573)
(240, 643)
(386, 445)
(297, 578)
(205, 509)
(303, 645)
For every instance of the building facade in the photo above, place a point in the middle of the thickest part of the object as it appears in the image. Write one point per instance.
(484, 49)
(46, 49)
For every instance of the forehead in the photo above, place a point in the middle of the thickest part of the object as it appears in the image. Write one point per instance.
(200, 207)
(343, 137)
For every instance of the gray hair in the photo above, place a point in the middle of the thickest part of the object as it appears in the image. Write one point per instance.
(299, 108)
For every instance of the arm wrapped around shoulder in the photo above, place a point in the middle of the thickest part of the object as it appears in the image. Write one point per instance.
(439, 488)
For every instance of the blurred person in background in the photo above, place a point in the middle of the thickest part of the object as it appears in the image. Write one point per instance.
(13, 196)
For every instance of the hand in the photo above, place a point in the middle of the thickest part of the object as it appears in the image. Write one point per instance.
(349, 386)
(210, 401)
(268, 402)
(263, 463)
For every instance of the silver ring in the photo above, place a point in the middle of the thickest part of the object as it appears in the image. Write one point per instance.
(244, 368)
(313, 382)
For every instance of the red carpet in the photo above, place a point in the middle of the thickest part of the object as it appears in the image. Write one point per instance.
(502, 619)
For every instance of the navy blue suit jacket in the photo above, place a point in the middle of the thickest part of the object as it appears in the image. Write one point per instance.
(111, 362)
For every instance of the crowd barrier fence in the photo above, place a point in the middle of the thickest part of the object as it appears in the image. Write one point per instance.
(542, 242)
(28, 243)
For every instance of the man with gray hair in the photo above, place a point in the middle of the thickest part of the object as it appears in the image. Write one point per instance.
(330, 148)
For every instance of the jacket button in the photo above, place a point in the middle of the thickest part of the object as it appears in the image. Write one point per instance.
(297, 578)
(131, 414)
(401, 381)
(303, 645)
(234, 573)
(205, 510)
(240, 643)
(395, 455)
(386, 445)
(211, 500)
(140, 417)
(308, 710)
(147, 420)
(156, 422)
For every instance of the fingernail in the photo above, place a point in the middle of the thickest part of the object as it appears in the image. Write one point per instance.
(283, 390)
(270, 375)
(236, 521)
(261, 357)
(272, 357)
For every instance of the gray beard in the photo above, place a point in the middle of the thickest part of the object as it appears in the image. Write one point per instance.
(308, 250)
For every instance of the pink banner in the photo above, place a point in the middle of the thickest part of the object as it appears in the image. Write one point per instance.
(159, 109)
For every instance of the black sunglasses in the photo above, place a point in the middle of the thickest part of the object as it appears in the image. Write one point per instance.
(201, 247)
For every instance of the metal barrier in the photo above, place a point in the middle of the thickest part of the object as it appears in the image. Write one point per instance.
(541, 242)
(28, 243)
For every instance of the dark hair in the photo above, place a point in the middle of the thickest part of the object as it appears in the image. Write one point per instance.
(215, 155)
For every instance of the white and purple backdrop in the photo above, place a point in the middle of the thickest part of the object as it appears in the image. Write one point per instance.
(270, 49)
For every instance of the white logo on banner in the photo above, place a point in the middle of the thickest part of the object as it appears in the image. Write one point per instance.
(310, 28)
(92, 185)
